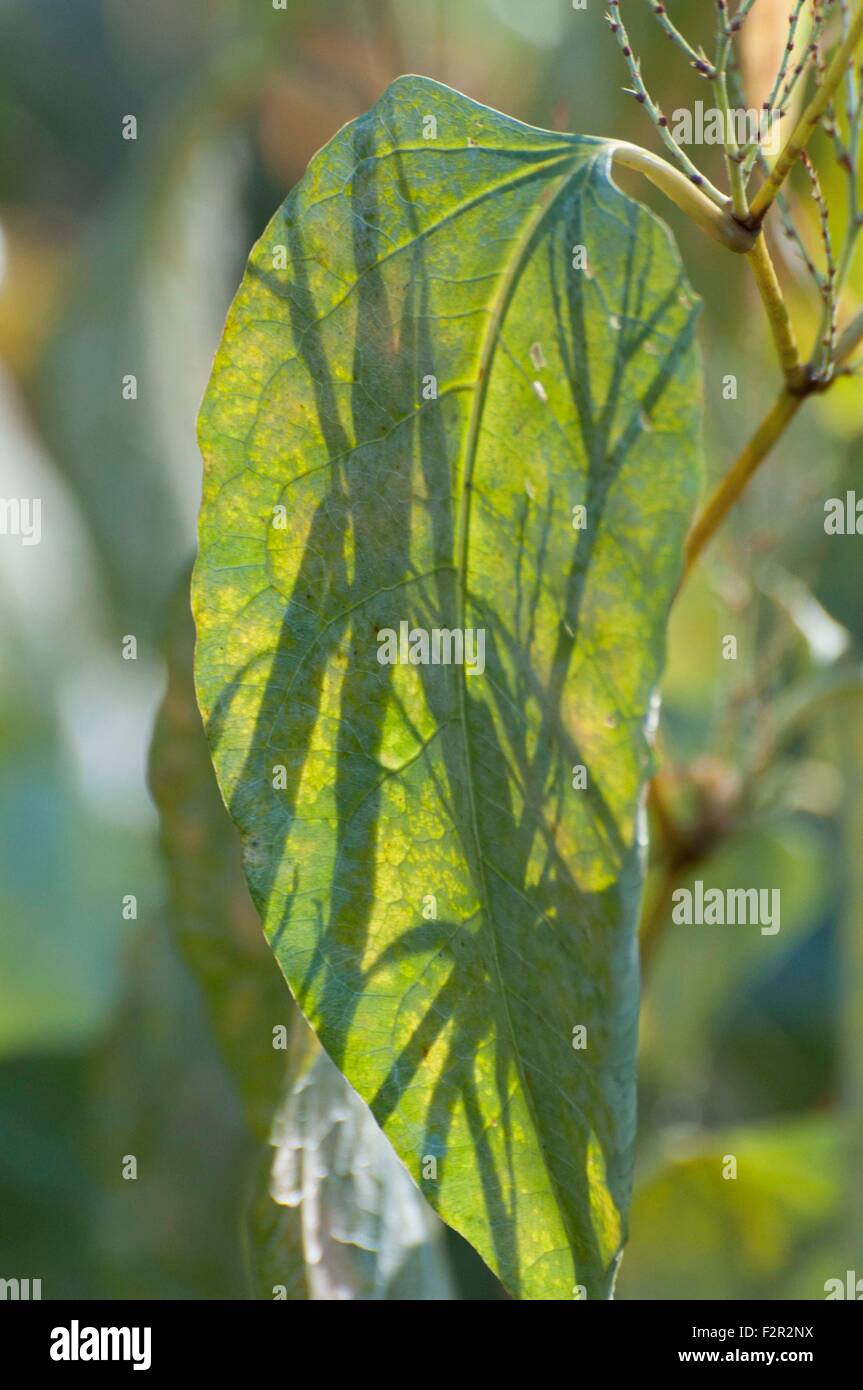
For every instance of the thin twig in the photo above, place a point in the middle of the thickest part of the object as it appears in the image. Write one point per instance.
(792, 233)
(643, 97)
(826, 346)
(770, 430)
(810, 118)
(772, 101)
(733, 156)
(718, 506)
(697, 59)
(742, 12)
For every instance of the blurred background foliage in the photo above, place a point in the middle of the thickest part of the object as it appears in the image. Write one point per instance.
(152, 1037)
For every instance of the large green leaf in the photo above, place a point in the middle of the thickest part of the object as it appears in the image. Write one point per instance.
(210, 914)
(333, 1214)
(445, 904)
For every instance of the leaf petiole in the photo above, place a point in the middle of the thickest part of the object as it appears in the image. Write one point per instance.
(718, 222)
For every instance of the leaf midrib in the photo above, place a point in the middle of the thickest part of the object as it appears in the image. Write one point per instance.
(486, 358)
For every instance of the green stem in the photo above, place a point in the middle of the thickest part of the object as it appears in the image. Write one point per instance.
(717, 222)
(771, 429)
(718, 506)
(776, 309)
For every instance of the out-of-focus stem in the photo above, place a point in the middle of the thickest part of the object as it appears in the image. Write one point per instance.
(772, 427)
(718, 506)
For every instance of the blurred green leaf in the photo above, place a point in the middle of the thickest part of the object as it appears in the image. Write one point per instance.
(700, 971)
(697, 1234)
(418, 371)
(61, 947)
